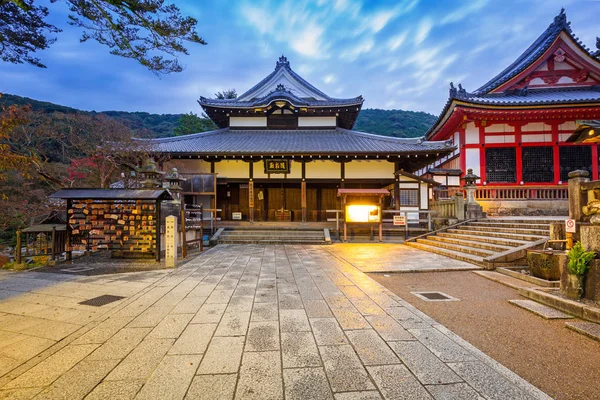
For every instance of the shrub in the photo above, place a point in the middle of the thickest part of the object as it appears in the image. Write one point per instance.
(579, 259)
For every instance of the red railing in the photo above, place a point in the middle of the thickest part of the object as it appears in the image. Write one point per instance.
(521, 193)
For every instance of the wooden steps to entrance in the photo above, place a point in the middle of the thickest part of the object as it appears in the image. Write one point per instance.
(488, 242)
(270, 236)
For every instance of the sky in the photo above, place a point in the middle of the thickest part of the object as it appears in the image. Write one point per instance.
(398, 54)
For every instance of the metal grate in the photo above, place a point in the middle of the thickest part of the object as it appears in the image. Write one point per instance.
(573, 158)
(101, 300)
(500, 164)
(538, 164)
(434, 296)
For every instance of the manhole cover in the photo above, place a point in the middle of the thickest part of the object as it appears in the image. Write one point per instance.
(101, 300)
(434, 296)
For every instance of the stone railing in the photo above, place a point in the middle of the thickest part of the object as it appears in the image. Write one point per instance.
(449, 208)
(521, 193)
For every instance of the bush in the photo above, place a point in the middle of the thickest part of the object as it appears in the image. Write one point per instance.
(579, 259)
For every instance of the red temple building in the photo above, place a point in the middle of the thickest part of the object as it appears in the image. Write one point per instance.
(512, 131)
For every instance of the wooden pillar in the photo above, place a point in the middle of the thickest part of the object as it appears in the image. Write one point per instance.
(183, 232)
(380, 221)
(53, 258)
(595, 162)
(158, 224)
(556, 154)
(396, 186)
(18, 248)
(69, 246)
(343, 208)
(303, 192)
(342, 174)
(319, 203)
(251, 191)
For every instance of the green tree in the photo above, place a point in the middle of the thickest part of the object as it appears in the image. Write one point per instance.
(226, 94)
(143, 30)
(191, 123)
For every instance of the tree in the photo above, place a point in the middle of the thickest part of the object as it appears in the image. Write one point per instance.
(226, 94)
(130, 28)
(191, 123)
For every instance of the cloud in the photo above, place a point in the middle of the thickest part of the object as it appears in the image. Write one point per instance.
(396, 41)
(308, 42)
(353, 53)
(330, 78)
(423, 30)
(459, 14)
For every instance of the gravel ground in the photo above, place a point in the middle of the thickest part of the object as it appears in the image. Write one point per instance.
(562, 363)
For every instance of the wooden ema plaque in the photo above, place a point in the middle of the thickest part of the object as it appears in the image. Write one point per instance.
(122, 226)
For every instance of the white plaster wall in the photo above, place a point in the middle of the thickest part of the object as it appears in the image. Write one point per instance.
(567, 126)
(409, 185)
(456, 139)
(454, 181)
(535, 127)
(472, 160)
(424, 187)
(563, 136)
(295, 170)
(536, 138)
(324, 169)
(259, 170)
(232, 169)
(369, 169)
(255, 122)
(498, 128)
(471, 134)
(500, 139)
(317, 121)
(191, 166)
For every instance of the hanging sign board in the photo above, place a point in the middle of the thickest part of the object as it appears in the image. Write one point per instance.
(363, 213)
(236, 215)
(570, 226)
(170, 241)
(277, 166)
(399, 220)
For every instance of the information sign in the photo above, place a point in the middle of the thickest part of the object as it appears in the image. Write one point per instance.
(277, 166)
(236, 215)
(399, 220)
(170, 241)
(570, 226)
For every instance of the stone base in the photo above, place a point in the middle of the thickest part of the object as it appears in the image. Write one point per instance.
(590, 237)
(525, 207)
(592, 282)
(474, 211)
(545, 265)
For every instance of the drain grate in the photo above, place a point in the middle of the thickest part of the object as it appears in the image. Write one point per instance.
(101, 300)
(434, 296)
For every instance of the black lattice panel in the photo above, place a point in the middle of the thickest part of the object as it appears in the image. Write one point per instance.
(500, 164)
(573, 158)
(538, 164)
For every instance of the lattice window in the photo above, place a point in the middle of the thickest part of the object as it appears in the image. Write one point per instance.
(409, 197)
(538, 164)
(573, 158)
(500, 164)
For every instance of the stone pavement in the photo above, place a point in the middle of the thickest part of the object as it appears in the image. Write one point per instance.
(243, 321)
(379, 257)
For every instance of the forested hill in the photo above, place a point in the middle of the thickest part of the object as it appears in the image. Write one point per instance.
(397, 123)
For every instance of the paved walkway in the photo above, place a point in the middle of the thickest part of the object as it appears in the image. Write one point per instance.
(243, 321)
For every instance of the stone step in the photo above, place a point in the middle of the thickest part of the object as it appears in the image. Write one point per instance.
(541, 232)
(521, 221)
(477, 260)
(505, 235)
(496, 248)
(542, 310)
(279, 234)
(272, 241)
(456, 247)
(505, 279)
(515, 273)
(589, 329)
(272, 232)
(484, 239)
(510, 225)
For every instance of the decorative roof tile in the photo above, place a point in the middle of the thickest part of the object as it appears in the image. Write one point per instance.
(279, 142)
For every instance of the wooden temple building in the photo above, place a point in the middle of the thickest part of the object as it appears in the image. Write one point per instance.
(283, 148)
(512, 131)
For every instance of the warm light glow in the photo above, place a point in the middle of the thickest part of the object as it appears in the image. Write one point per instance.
(591, 132)
(363, 213)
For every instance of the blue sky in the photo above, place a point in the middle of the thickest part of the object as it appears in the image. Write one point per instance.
(397, 54)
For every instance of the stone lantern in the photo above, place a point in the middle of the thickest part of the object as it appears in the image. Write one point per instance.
(474, 210)
(174, 180)
(149, 174)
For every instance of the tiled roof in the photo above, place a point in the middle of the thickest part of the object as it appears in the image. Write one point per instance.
(532, 53)
(536, 96)
(278, 142)
(282, 84)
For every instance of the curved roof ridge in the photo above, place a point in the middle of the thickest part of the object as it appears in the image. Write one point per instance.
(530, 55)
(416, 140)
(183, 137)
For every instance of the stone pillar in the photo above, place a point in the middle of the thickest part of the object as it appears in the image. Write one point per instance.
(459, 203)
(577, 198)
(590, 239)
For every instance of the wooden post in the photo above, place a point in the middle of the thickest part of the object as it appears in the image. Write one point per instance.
(303, 198)
(183, 232)
(53, 243)
(201, 228)
(396, 187)
(69, 247)
(381, 216)
(344, 208)
(18, 248)
(157, 256)
(251, 200)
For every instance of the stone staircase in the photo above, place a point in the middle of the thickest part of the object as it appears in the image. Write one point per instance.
(488, 243)
(245, 235)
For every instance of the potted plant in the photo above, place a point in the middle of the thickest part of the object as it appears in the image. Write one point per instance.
(579, 263)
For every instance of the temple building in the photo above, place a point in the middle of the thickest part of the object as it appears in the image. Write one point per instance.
(512, 131)
(284, 148)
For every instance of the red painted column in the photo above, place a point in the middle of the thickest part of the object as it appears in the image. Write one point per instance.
(461, 155)
(595, 162)
(556, 153)
(482, 154)
(519, 154)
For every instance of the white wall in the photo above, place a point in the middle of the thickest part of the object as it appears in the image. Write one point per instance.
(232, 169)
(317, 121)
(254, 122)
(472, 160)
(191, 166)
(424, 195)
(324, 169)
(471, 134)
(373, 169)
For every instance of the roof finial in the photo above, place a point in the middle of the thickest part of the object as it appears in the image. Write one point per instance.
(561, 18)
(453, 90)
(283, 62)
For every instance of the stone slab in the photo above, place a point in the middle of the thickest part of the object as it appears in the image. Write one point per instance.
(543, 311)
(223, 355)
(589, 329)
(171, 379)
(212, 387)
(260, 376)
(396, 382)
(306, 383)
(423, 364)
(299, 350)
